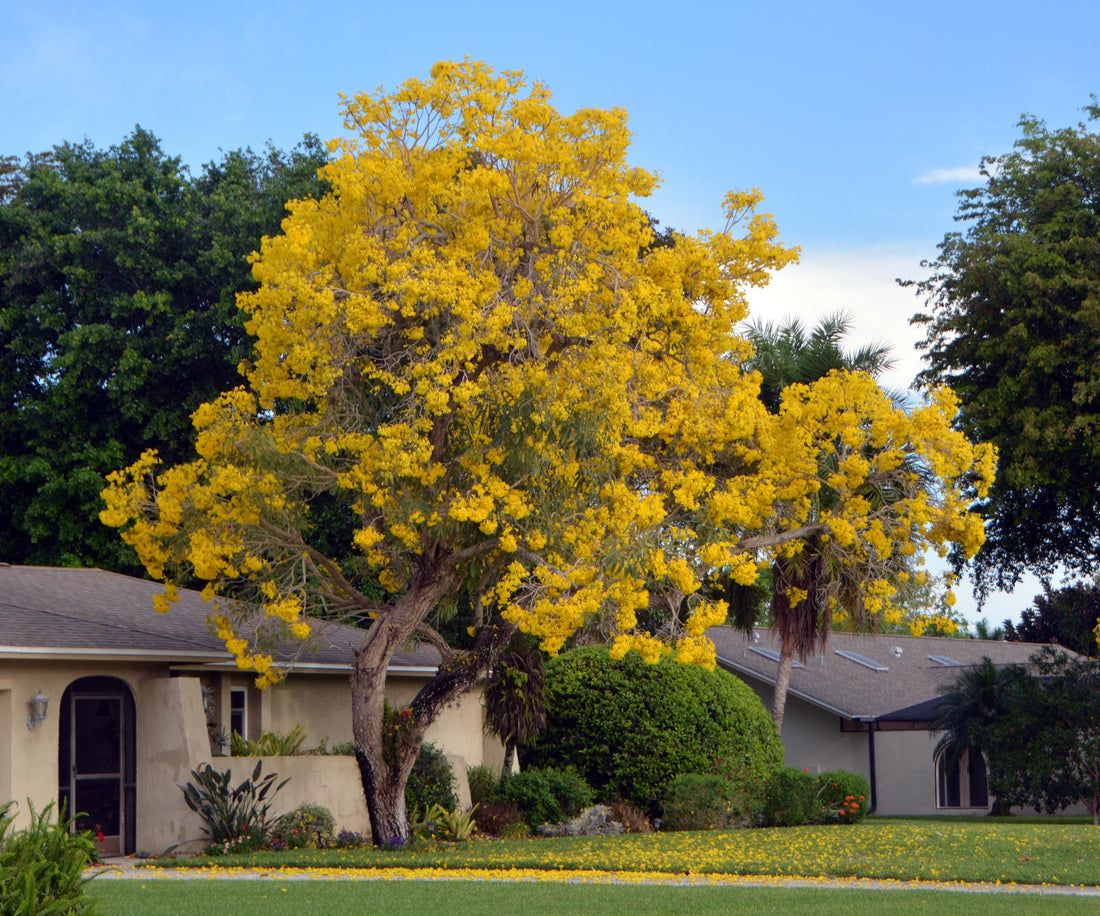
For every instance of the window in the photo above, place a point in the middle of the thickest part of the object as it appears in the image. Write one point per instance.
(861, 660)
(771, 654)
(238, 711)
(963, 784)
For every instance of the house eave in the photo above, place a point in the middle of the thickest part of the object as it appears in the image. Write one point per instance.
(72, 653)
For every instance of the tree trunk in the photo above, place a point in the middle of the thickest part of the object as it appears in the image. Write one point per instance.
(782, 682)
(509, 756)
(386, 751)
(385, 761)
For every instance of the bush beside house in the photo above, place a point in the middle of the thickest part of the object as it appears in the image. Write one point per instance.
(630, 728)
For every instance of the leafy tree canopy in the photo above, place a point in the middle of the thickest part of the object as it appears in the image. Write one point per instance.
(1013, 326)
(473, 346)
(118, 279)
(1044, 744)
(1068, 616)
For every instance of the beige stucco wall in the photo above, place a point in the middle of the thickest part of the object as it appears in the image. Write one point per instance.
(329, 781)
(172, 740)
(29, 768)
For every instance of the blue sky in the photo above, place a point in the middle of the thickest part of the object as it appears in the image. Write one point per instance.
(857, 120)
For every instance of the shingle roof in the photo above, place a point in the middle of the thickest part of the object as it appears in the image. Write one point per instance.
(59, 611)
(907, 687)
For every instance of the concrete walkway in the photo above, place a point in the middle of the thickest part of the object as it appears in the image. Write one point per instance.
(143, 870)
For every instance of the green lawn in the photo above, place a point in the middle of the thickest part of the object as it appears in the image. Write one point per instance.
(1018, 850)
(458, 898)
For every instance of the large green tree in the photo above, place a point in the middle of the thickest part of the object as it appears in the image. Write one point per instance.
(1044, 744)
(1068, 616)
(118, 282)
(1013, 326)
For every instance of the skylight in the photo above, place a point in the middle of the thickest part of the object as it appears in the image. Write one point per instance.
(861, 660)
(771, 654)
(945, 660)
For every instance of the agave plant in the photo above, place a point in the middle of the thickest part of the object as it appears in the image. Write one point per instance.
(230, 815)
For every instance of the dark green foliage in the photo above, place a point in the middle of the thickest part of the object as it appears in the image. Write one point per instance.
(547, 795)
(306, 825)
(497, 818)
(1066, 616)
(971, 706)
(118, 278)
(1043, 747)
(842, 797)
(630, 728)
(697, 801)
(232, 817)
(515, 699)
(1013, 326)
(483, 784)
(42, 866)
(791, 799)
(431, 782)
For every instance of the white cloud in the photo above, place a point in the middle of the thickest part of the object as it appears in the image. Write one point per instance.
(963, 174)
(861, 282)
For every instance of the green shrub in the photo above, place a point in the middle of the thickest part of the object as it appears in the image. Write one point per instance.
(269, 744)
(497, 818)
(697, 801)
(483, 784)
(791, 799)
(340, 749)
(42, 866)
(306, 825)
(438, 823)
(547, 795)
(633, 818)
(843, 796)
(431, 782)
(630, 728)
(233, 819)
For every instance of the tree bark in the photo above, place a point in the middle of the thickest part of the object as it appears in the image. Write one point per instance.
(782, 682)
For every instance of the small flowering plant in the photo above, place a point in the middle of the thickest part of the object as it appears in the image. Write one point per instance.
(842, 796)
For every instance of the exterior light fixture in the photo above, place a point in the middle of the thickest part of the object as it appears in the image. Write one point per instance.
(38, 706)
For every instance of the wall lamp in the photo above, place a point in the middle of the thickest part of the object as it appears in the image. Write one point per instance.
(38, 706)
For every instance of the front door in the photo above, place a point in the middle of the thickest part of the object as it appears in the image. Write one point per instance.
(96, 758)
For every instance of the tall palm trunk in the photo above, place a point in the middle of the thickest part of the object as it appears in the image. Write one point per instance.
(782, 683)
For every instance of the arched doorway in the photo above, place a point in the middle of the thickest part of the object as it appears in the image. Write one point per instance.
(961, 784)
(97, 761)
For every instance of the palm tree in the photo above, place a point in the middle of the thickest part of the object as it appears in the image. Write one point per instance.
(515, 700)
(970, 705)
(784, 355)
(788, 354)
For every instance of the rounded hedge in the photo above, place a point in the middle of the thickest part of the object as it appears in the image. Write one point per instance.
(630, 728)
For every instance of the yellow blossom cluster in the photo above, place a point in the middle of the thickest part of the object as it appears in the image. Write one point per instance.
(473, 349)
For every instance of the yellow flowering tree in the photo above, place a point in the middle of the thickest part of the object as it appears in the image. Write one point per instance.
(472, 354)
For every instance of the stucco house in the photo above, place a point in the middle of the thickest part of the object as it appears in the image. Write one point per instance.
(105, 706)
(865, 703)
